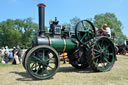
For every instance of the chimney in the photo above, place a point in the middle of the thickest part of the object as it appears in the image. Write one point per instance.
(41, 8)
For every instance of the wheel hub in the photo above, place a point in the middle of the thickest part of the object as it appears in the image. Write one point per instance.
(44, 62)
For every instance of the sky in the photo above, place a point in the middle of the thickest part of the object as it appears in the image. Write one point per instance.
(64, 10)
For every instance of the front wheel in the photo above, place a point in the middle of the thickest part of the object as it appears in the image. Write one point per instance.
(42, 62)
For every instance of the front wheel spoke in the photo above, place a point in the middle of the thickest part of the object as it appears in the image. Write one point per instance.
(52, 62)
(48, 59)
(36, 58)
(39, 67)
(43, 57)
(50, 67)
(47, 72)
(36, 65)
(33, 65)
(37, 70)
(51, 59)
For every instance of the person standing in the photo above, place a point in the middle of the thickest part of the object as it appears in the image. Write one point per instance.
(2, 55)
(6, 53)
(19, 53)
(10, 56)
(15, 59)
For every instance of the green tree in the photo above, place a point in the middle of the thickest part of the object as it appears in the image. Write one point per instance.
(17, 32)
(73, 22)
(71, 25)
(67, 26)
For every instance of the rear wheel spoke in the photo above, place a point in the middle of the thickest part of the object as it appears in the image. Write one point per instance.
(103, 65)
(102, 44)
(106, 60)
(96, 50)
(96, 57)
(99, 46)
(110, 54)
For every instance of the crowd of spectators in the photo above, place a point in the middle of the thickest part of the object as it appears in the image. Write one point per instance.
(12, 55)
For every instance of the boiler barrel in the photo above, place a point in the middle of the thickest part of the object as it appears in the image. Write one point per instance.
(63, 45)
(59, 44)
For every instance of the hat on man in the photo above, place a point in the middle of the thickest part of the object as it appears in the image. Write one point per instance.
(105, 25)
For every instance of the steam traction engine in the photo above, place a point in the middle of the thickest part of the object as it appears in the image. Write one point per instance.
(83, 47)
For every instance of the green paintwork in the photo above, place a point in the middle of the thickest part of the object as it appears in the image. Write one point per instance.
(71, 44)
(61, 44)
(57, 44)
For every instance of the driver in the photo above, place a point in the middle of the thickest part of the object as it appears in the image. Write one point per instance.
(106, 31)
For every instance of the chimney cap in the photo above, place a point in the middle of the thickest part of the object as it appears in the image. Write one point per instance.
(41, 5)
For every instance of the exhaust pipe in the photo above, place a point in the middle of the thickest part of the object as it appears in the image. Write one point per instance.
(41, 8)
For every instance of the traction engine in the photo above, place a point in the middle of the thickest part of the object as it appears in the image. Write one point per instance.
(83, 47)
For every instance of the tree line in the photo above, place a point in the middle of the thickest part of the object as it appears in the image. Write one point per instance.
(22, 31)
(17, 32)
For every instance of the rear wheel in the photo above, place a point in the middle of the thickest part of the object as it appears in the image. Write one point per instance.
(102, 54)
(42, 62)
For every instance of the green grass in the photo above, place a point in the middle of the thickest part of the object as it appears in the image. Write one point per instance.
(67, 75)
(8, 65)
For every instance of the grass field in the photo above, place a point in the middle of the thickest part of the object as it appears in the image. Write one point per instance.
(67, 75)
